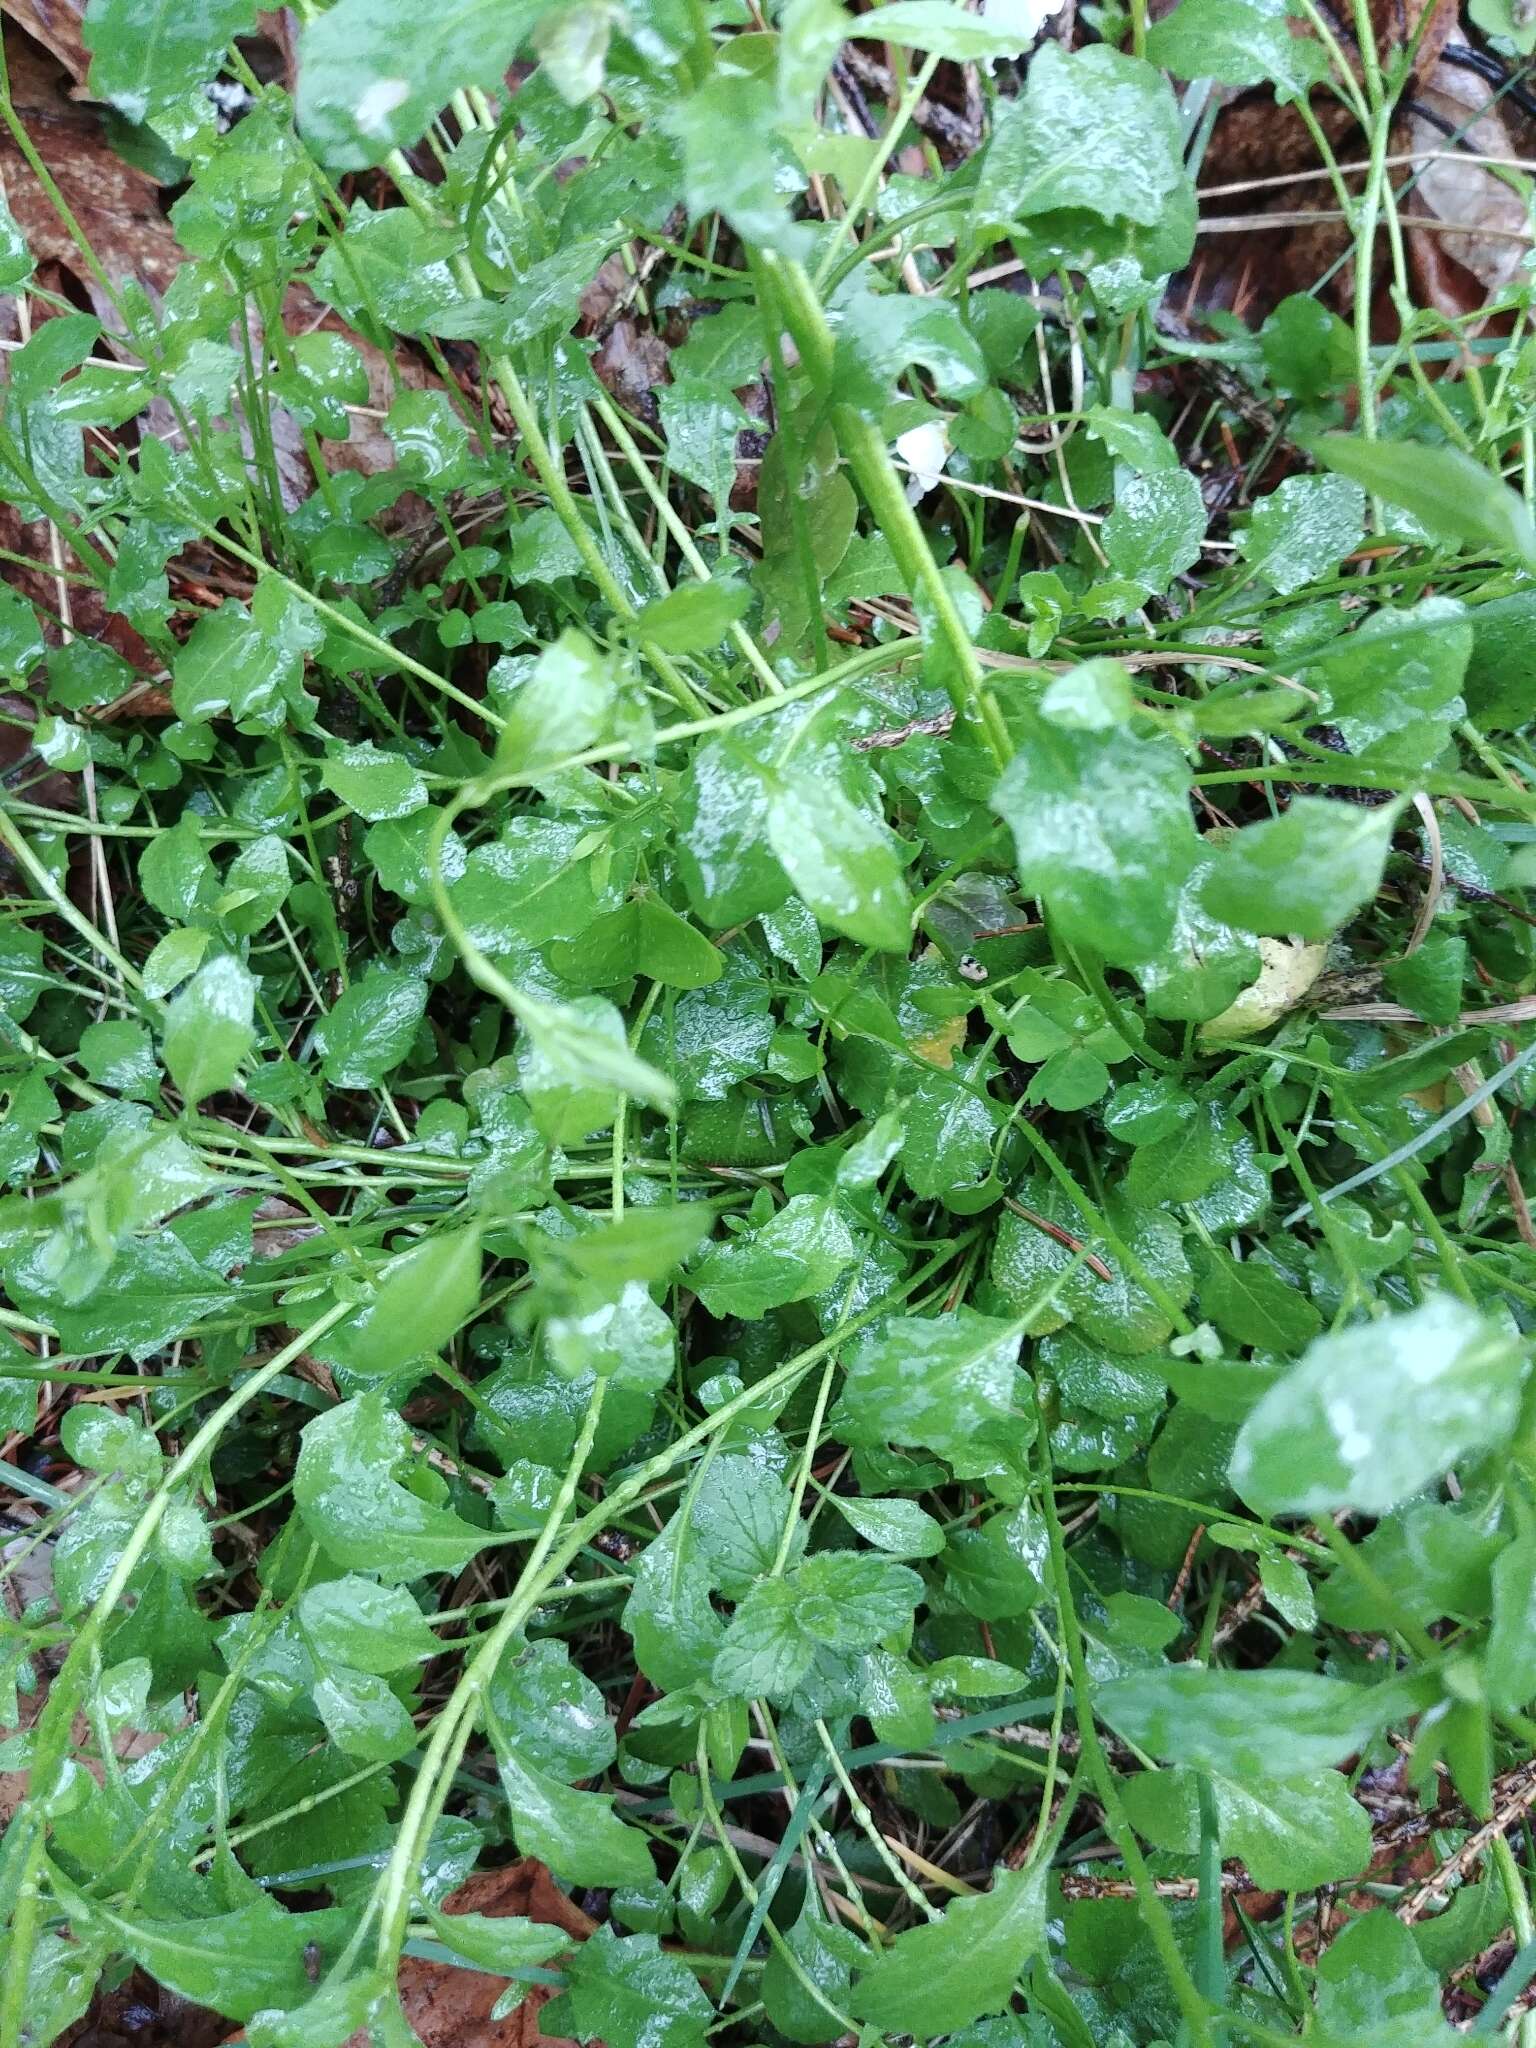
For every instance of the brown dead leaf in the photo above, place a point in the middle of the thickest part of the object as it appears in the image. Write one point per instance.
(139, 2013)
(450, 2007)
(1454, 189)
(117, 207)
(56, 25)
(631, 361)
(942, 1043)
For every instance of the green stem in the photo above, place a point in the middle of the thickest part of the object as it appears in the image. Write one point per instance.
(858, 205)
(1154, 1914)
(455, 1724)
(551, 474)
(739, 637)
(885, 492)
(1518, 1899)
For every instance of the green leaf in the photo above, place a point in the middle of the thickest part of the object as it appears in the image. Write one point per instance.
(1104, 835)
(881, 336)
(235, 1962)
(899, 1527)
(1451, 496)
(573, 1062)
(499, 1943)
(372, 73)
(1372, 1413)
(947, 30)
(363, 1717)
(1094, 130)
(1430, 980)
(430, 441)
(1393, 687)
(1000, 1569)
(552, 1713)
(369, 1031)
(841, 861)
(1427, 1558)
(249, 662)
(1374, 1990)
(734, 161)
(694, 616)
(1122, 1313)
(1187, 1161)
(577, 1834)
(765, 1653)
(373, 783)
(1304, 873)
(949, 1384)
(145, 53)
(723, 853)
(1154, 532)
(739, 1514)
(1255, 1304)
(1246, 1724)
(1509, 1661)
(1236, 42)
(152, 1291)
(643, 937)
(1307, 350)
(1291, 1834)
(328, 2019)
(1308, 524)
(209, 1029)
(357, 1511)
(934, 1979)
(800, 1251)
(391, 266)
(629, 1339)
(627, 1993)
(372, 1628)
(419, 1299)
(837, 1600)
(16, 266)
(562, 708)
(171, 960)
(949, 1132)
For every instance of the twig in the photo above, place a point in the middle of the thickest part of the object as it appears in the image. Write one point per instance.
(1062, 1237)
(1518, 1792)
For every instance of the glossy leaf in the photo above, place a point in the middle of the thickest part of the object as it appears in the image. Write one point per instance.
(935, 1979)
(1372, 1413)
(372, 73)
(1102, 827)
(1305, 872)
(147, 52)
(209, 1029)
(1450, 495)
(359, 1512)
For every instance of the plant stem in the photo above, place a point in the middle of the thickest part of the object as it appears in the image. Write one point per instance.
(1154, 1913)
(885, 492)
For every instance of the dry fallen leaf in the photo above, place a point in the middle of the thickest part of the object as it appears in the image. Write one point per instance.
(1454, 187)
(139, 2013)
(117, 207)
(56, 25)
